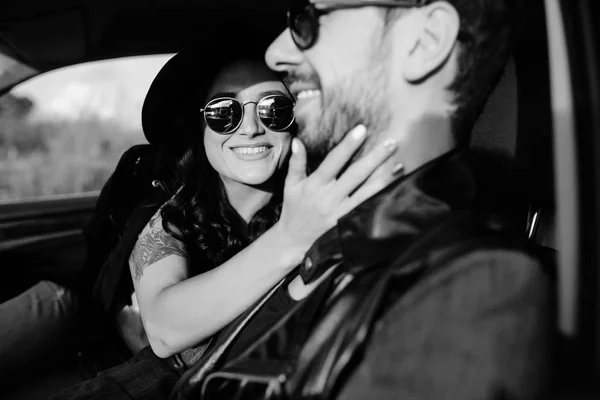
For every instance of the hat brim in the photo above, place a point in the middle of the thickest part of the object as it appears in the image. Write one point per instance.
(171, 110)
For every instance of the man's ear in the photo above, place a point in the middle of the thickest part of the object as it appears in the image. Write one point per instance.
(437, 32)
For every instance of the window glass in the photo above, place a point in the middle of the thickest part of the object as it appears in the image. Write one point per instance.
(12, 71)
(62, 132)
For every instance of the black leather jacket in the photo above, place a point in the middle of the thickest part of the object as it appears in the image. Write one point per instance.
(384, 248)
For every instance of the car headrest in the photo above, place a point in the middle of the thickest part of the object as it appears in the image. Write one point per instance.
(496, 128)
(512, 136)
(493, 145)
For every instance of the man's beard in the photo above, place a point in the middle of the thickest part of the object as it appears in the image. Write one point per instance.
(360, 99)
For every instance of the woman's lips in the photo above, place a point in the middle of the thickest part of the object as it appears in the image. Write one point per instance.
(250, 153)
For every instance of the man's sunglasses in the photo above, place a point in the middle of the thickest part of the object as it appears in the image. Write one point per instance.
(225, 114)
(303, 16)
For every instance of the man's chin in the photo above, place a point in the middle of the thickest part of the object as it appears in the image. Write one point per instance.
(316, 139)
(322, 129)
(316, 148)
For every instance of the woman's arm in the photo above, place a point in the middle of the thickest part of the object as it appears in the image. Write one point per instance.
(179, 311)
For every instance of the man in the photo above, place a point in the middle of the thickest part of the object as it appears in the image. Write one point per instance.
(445, 305)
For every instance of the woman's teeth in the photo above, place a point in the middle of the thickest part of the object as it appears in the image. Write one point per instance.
(250, 150)
(305, 94)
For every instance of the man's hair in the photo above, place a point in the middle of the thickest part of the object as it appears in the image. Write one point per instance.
(486, 34)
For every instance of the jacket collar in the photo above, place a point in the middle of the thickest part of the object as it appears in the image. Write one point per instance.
(385, 224)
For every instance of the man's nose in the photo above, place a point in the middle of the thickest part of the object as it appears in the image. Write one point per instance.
(283, 54)
(250, 126)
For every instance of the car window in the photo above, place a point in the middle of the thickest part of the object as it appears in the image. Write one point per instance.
(12, 71)
(62, 132)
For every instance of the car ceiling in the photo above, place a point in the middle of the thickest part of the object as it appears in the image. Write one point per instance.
(46, 34)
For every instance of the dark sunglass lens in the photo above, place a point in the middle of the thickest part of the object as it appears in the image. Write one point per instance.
(276, 112)
(223, 115)
(302, 23)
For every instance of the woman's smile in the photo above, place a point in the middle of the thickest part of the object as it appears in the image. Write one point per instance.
(253, 152)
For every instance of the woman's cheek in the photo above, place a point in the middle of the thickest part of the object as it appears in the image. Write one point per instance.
(286, 150)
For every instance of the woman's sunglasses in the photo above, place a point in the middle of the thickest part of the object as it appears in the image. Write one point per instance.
(225, 114)
(303, 16)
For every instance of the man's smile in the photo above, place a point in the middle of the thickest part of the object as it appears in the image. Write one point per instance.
(306, 94)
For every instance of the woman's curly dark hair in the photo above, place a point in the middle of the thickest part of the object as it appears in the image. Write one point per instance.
(200, 214)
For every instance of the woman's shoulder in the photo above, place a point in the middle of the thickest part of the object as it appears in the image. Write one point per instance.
(154, 226)
(155, 243)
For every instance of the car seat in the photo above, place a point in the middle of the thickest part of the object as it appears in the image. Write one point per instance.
(513, 135)
(516, 124)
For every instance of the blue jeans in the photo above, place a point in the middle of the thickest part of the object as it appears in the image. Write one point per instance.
(36, 329)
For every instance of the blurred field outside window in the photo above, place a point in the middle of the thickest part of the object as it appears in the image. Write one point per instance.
(63, 132)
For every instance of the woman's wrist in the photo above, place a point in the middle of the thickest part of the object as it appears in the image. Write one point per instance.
(289, 251)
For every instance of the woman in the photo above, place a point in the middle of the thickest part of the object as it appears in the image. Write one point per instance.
(225, 238)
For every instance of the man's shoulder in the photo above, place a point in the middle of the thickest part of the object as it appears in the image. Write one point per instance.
(468, 240)
(476, 268)
(483, 267)
(490, 253)
(482, 273)
(482, 315)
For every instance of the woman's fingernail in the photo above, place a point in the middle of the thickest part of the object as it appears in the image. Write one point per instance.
(359, 132)
(398, 169)
(294, 146)
(390, 144)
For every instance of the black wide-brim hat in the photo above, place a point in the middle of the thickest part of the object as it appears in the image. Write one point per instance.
(171, 112)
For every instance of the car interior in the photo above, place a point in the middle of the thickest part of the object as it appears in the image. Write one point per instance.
(512, 139)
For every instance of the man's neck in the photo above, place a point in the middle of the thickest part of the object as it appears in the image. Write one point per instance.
(419, 142)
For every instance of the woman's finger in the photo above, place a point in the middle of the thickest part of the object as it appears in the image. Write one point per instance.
(297, 164)
(363, 193)
(361, 169)
(340, 155)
